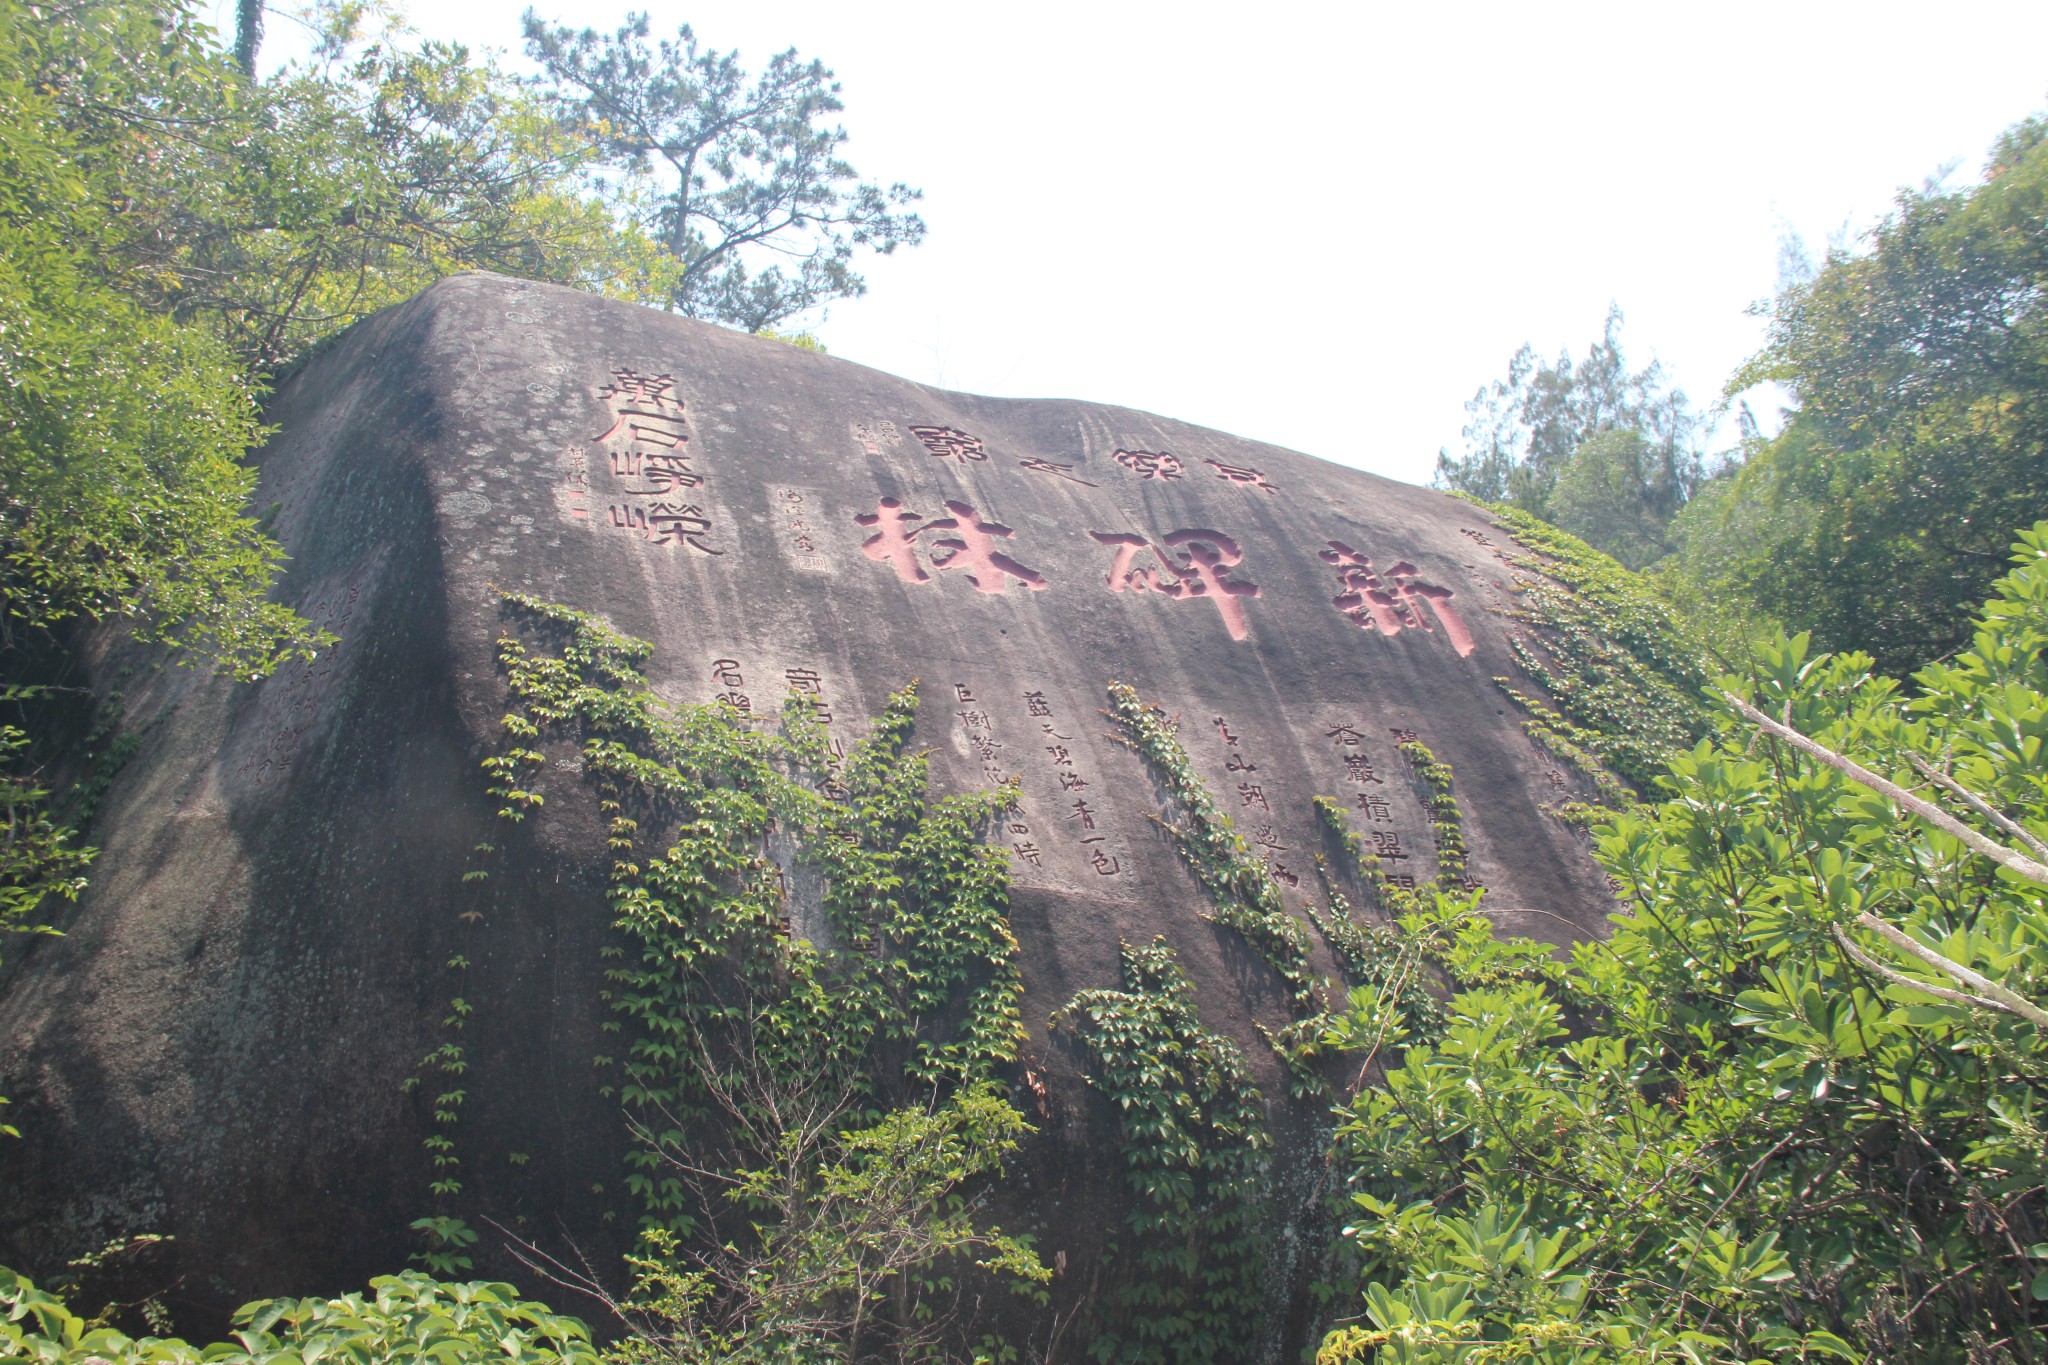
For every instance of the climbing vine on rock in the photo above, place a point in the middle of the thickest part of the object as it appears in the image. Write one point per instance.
(749, 1046)
(1622, 674)
(1193, 1135)
(1446, 824)
(1439, 921)
(1245, 895)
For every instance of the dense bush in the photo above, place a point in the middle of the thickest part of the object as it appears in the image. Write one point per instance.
(1791, 1108)
(403, 1318)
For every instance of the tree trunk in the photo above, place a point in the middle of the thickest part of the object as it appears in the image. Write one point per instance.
(248, 34)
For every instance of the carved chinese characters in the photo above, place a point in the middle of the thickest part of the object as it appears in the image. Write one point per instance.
(1358, 765)
(726, 673)
(1395, 601)
(805, 682)
(1062, 760)
(657, 492)
(1058, 471)
(667, 525)
(796, 510)
(572, 490)
(969, 548)
(1150, 464)
(877, 435)
(950, 443)
(808, 685)
(1374, 804)
(981, 738)
(652, 476)
(981, 735)
(1242, 475)
(1074, 822)
(1240, 768)
(1193, 563)
(645, 410)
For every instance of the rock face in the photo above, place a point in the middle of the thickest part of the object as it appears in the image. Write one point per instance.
(218, 1046)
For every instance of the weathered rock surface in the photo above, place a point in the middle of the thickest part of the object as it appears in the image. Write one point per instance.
(216, 1049)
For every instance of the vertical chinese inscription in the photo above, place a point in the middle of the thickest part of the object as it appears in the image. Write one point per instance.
(652, 477)
(876, 436)
(1347, 742)
(795, 512)
(572, 490)
(1080, 811)
(726, 673)
(809, 684)
(1241, 769)
(980, 731)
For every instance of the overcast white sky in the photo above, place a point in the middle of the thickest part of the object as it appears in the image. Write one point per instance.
(1326, 226)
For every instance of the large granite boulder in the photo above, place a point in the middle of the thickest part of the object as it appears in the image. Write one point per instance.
(218, 1047)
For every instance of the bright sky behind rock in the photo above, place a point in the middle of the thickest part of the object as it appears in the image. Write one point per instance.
(1325, 227)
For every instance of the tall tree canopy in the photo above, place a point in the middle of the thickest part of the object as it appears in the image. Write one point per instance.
(1919, 366)
(1600, 451)
(175, 232)
(738, 179)
(281, 211)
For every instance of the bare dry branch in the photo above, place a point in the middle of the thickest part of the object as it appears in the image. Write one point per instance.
(2033, 869)
(1991, 995)
(2005, 1000)
(1978, 804)
(1898, 978)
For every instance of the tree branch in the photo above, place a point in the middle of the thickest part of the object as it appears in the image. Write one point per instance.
(1993, 995)
(1898, 978)
(1999, 998)
(1979, 805)
(2033, 869)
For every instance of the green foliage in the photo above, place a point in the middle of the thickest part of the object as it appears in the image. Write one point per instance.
(404, 1318)
(39, 863)
(1877, 520)
(1603, 453)
(803, 341)
(1446, 824)
(1193, 1134)
(733, 177)
(881, 1203)
(447, 1243)
(1745, 1127)
(1190, 1121)
(1432, 941)
(1611, 494)
(121, 430)
(279, 212)
(766, 1076)
(1621, 673)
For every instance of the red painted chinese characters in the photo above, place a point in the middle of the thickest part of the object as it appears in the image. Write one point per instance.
(970, 549)
(1193, 563)
(1393, 602)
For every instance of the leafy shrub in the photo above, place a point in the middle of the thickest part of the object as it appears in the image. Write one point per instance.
(403, 1318)
(1791, 1109)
